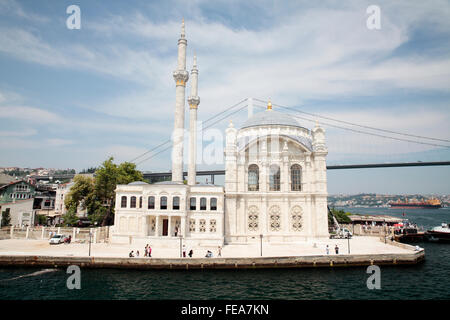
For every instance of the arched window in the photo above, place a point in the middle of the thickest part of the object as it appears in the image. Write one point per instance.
(274, 178)
(151, 202)
(133, 202)
(163, 203)
(176, 203)
(140, 202)
(202, 203)
(253, 178)
(296, 177)
(123, 202)
(213, 203)
(192, 203)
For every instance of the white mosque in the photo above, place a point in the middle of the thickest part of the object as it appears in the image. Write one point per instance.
(275, 183)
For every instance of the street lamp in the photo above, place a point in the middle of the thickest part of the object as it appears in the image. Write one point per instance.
(348, 240)
(261, 237)
(90, 235)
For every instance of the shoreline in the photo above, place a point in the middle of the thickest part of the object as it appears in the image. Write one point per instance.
(312, 261)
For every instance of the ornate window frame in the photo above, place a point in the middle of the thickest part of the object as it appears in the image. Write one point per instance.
(296, 218)
(274, 218)
(296, 177)
(274, 177)
(253, 218)
(253, 177)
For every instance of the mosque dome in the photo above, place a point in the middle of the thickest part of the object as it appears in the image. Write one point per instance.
(271, 117)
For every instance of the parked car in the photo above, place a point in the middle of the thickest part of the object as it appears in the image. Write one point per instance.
(57, 239)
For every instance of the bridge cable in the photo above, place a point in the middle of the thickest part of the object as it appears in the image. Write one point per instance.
(209, 126)
(166, 142)
(364, 132)
(355, 124)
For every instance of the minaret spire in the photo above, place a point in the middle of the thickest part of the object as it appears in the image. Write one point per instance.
(183, 33)
(194, 101)
(180, 76)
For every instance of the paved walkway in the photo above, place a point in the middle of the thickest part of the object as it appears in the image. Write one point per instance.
(358, 245)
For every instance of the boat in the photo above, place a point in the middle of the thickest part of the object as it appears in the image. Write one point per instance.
(406, 232)
(441, 233)
(428, 204)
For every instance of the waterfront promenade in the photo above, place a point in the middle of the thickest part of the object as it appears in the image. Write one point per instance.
(364, 251)
(358, 245)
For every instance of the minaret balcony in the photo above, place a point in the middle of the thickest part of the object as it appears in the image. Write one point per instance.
(194, 101)
(181, 77)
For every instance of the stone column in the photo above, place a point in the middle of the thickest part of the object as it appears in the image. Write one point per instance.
(310, 216)
(28, 232)
(285, 215)
(43, 232)
(183, 227)
(157, 226)
(264, 217)
(169, 227)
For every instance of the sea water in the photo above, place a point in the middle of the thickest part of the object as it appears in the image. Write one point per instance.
(428, 280)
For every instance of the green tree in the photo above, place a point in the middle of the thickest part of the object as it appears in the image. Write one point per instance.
(97, 194)
(107, 177)
(6, 218)
(80, 193)
(41, 219)
(70, 218)
(341, 216)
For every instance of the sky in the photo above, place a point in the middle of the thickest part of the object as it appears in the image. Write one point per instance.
(70, 98)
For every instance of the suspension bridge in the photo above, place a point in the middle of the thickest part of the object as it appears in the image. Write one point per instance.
(251, 104)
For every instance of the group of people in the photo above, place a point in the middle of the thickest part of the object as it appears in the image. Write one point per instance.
(147, 252)
(336, 249)
(209, 253)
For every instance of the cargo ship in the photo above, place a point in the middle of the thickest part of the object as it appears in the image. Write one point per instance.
(428, 204)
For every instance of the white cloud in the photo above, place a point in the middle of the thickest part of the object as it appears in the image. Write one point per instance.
(300, 54)
(18, 133)
(12, 6)
(57, 142)
(30, 114)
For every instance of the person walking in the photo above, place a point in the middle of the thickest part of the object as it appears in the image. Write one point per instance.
(137, 253)
(131, 255)
(149, 251)
(190, 253)
(219, 254)
(328, 250)
(336, 249)
(184, 251)
(146, 251)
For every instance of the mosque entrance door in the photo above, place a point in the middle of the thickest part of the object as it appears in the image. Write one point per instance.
(165, 227)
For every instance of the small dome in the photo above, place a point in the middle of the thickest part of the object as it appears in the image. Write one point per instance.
(137, 183)
(170, 182)
(270, 117)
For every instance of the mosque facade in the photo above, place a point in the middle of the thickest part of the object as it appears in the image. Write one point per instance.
(275, 183)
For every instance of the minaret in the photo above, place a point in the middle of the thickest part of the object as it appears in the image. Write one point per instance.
(180, 76)
(194, 101)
